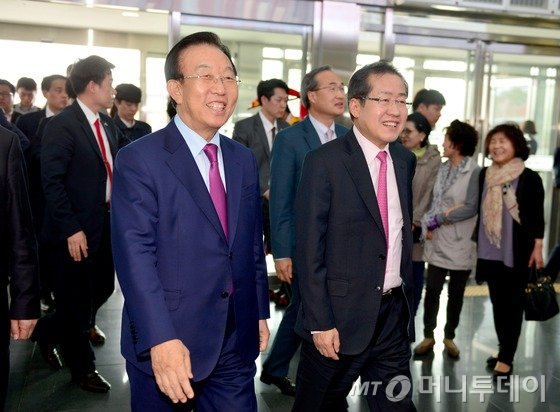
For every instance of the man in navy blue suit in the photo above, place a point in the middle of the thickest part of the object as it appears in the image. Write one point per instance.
(323, 95)
(18, 259)
(191, 263)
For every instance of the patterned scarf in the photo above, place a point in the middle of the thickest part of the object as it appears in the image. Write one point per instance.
(498, 187)
(445, 179)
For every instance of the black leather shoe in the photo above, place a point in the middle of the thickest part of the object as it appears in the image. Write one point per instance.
(284, 384)
(491, 362)
(50, 355)
(96, 336)
(93, 382)
(497, 375)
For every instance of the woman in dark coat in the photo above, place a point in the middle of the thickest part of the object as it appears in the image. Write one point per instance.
(510, 233)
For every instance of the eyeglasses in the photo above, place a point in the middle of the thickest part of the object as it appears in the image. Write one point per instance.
(332, 88)
(384, 102)
(210, 79)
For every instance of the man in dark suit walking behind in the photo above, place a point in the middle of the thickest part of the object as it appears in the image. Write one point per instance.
(18, 256)
(32, 124)
(77, 153)
(258, 133)
(323, 96)
(353, 254)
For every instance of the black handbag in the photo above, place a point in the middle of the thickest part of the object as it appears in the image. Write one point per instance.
(540, 297)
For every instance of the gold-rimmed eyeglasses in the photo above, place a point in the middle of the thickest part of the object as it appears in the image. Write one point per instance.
(385, 102)
(210, 79)
(332, 88)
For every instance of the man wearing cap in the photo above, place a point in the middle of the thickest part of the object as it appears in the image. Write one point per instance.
(127, 99)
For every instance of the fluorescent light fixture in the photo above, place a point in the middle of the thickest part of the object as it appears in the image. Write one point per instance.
(159, 11)
(130, 14)
(445, 7)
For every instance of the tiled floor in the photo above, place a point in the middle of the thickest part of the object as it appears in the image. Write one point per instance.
(440, 383)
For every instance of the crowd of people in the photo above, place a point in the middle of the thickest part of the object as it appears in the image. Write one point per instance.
(185, 217)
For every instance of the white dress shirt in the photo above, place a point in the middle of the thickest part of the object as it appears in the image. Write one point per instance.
(268, 128)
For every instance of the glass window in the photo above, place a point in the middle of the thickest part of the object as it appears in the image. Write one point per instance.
(54, 58)
(156, 93)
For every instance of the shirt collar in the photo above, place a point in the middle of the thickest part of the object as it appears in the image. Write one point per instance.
(266, 123)
(370, 150)
(320, 128)
(49, 112)
(194, 141)
(90, 115)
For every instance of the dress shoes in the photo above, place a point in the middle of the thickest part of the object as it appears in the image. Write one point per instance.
(96, 336)
(424, 347)
(284, 384)
(497, 375)
(93, 382)
(50, 355)
(452, 349)
(491, 362)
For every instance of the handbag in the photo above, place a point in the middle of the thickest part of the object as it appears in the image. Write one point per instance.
(540, 297)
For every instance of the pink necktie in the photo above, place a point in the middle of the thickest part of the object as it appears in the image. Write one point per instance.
(329, 135)
(382, 193)
(217, 191)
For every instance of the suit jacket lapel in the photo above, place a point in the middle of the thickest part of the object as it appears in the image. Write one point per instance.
(400, 173)
(311, 136)
(86, 128)
(258, 129)
(183, 166)
(109, 132)
(357, 167)
(234, 179)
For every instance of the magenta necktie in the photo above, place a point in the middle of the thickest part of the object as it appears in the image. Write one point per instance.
(217, 191)
(382, 193)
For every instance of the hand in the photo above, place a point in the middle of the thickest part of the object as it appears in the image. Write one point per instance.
(22, 329)
(536, 257)
(264, 335)
(77, 246)
(284, 269)
(327, 343)
(451, 209)
(171, 363)
(432, 223)
(266, 194)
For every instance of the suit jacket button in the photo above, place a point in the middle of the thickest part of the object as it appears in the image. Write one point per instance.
(378, 288)
(225, 295)
(381, 256)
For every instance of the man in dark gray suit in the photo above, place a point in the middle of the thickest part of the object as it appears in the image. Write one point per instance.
(353, 219)
(258, 133)
(323, 96)
(18, 259)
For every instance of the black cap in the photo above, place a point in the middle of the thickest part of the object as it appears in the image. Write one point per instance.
(129, 93)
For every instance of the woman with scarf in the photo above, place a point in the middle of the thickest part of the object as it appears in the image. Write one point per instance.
(428, 160)
(510, 233)
(447, 229)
